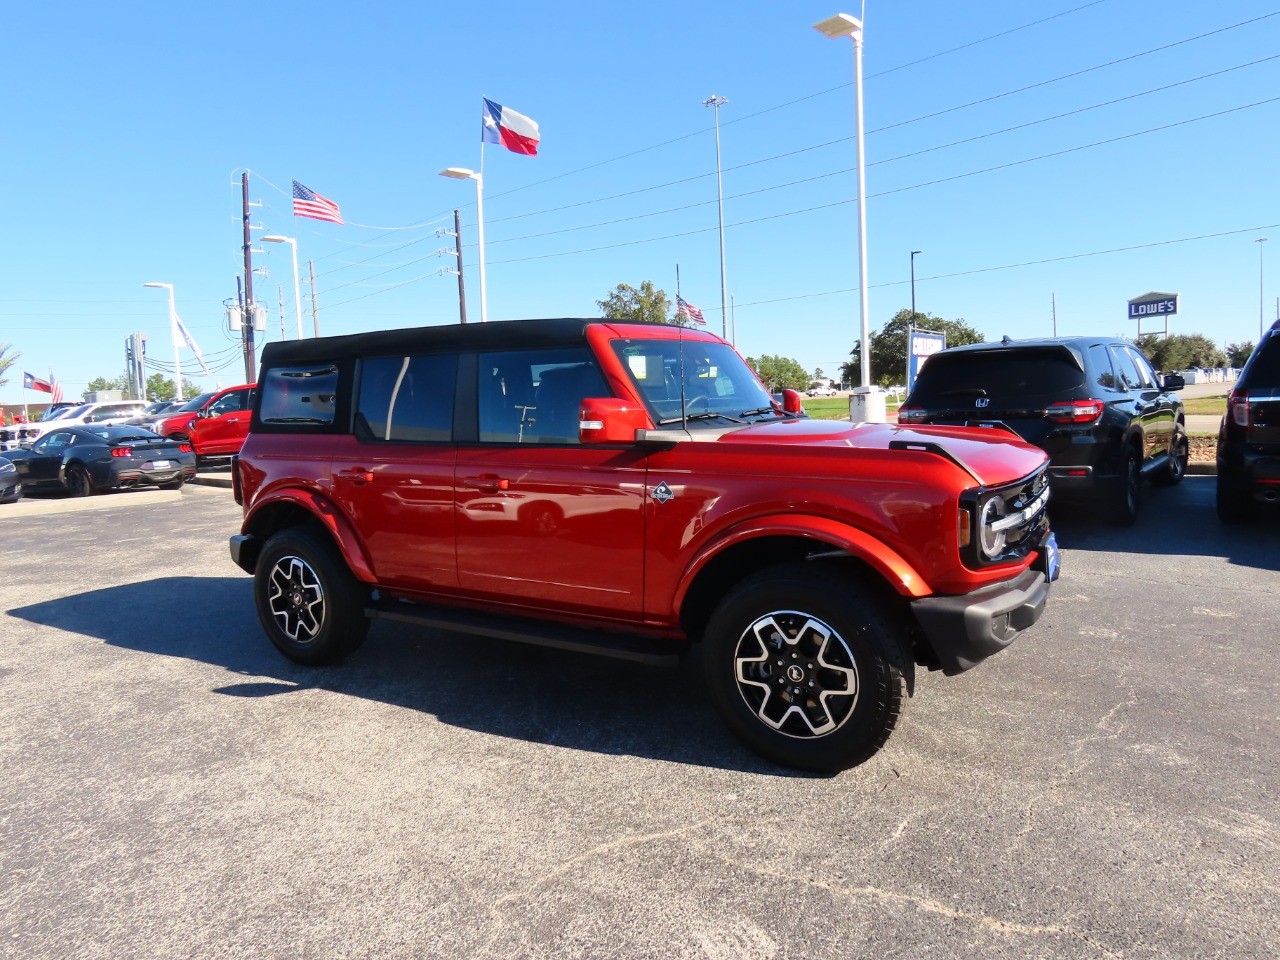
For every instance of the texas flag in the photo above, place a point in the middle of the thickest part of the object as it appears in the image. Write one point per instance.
(513, 130)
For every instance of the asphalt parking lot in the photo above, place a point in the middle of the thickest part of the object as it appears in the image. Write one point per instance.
(172, 788)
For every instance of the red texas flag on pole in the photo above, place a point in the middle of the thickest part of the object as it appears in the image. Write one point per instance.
(513, 130)
(35, 383)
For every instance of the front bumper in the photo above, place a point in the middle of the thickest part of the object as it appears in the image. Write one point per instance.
(965, 630)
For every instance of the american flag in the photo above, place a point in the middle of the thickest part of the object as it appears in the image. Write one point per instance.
(308, 203)
(56, 389)
(685, 308)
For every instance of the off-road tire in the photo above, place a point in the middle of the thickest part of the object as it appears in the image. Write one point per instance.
(309, 603)
(825, 634)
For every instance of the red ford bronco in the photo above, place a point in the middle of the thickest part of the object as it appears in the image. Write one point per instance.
(632, 489)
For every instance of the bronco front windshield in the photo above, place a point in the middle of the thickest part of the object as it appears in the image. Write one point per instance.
(717, 385)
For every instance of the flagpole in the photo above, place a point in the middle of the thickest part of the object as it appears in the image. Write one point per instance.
(484, 293)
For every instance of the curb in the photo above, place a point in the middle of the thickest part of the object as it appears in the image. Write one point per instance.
(1209, 469)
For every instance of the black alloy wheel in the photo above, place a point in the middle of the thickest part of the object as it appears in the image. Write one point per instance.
(806, 667)
(1179, 457)
(1126, 497)
(310, 605)
(77, 481)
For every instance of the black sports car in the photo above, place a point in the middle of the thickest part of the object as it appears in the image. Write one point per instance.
(83, 460)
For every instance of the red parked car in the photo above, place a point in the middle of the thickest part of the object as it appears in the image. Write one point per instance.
(631, 489)
(177, 425)
(220, 428)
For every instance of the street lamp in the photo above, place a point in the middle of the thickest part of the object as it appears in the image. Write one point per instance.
(297, 292)
(1260, 241)
(913, 285)
(844, 25)
(173, 332)
(717, 103)
(462, 173)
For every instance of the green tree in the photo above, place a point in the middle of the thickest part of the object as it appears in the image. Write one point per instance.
(1180, 351)
(779, 373)
(158, 388)
(643, 305)
(120, 383)
(7, 360)
(889, 347)
(1238, 353)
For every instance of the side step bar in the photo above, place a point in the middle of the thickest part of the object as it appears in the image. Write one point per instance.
(621, 646)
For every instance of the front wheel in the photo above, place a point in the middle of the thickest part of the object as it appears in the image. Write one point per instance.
(806, 668)
(310, 605)
(1179, 456)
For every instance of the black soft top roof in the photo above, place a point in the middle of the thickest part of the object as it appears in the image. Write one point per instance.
(500, 334)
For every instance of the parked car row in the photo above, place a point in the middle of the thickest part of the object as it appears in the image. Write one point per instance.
(94, 447)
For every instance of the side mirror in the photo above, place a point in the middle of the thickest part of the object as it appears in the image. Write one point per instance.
(792, 401)
(610, 420)
(1174, 381)
(203, 414)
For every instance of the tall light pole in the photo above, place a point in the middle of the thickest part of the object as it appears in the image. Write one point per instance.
(1260, 241)
(173, 332)
(913, 285)
(462, 173)
(717, 102)
(844, 25)
(297, 291)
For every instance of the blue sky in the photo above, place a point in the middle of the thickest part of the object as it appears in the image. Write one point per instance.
(127, 128)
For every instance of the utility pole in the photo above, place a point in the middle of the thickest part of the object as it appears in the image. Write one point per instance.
(462, 286)
(280, 290)
(315, 311)
(246, 329)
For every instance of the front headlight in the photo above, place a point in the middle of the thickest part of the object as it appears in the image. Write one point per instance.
(992, 541)
(7, 467)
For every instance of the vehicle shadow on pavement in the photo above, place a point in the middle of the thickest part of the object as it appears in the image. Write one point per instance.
(1173, 521)
(507, 689)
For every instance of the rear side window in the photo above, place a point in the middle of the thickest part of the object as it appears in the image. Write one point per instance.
(534, 396)
(407, 399)
(1126, 369)
(299, 395)
(1004, 376)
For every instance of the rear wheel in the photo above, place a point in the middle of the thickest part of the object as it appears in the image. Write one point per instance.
(806, 667)
(1124, 501)
(1179, 455)
(78, 482)
(1234, 503)
(310, 605)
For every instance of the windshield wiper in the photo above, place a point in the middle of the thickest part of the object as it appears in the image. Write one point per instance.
(698, 416)
(763, 410)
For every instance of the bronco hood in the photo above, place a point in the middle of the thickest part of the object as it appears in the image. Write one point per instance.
(989, 455)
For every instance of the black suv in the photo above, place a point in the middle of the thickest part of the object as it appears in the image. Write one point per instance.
(1094, 404)
(1249, 438)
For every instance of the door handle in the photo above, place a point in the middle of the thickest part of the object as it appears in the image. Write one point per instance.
(487, 483)
(357, 475)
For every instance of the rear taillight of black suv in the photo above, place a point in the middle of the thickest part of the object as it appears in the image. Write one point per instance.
(1075, 411)
(1238, 409)
(911, 415)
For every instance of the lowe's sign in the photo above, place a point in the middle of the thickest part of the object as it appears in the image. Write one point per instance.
(1153, 305)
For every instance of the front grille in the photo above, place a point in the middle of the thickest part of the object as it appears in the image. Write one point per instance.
(1017, 512)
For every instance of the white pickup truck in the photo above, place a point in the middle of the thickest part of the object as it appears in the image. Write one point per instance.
(821, 390)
